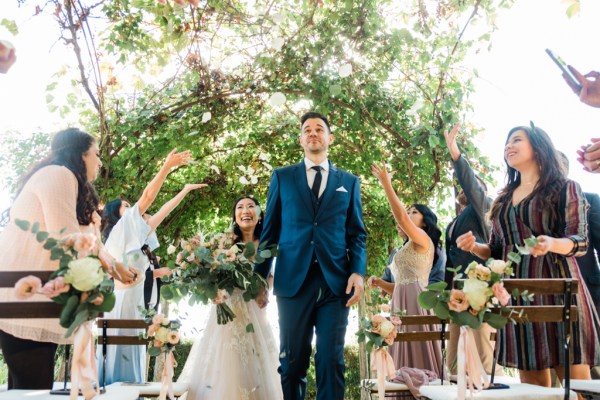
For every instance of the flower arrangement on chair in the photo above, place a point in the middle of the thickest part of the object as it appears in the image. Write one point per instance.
(378, 330)
(83, 287)
(210, 267)
(163, 335)
(478, 298)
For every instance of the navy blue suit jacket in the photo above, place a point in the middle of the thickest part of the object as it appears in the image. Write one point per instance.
(334, 232)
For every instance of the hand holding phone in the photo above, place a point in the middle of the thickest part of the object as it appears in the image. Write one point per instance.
(573, 82)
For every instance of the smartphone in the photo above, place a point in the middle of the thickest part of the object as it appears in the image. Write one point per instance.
(563, 67)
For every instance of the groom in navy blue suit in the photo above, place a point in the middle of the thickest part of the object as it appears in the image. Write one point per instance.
(314, 215)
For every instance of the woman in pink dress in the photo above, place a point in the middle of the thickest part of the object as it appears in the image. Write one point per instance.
(58, 194)
(411, 267)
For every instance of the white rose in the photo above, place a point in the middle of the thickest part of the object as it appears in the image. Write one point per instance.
(171, 249)
(498, 266)
(386, 327)
(162, 334)
(85, 274)
(477, 293)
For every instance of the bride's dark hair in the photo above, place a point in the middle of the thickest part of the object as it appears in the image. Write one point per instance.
(259, 226)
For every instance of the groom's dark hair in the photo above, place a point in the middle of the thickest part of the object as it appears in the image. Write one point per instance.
(312, 114)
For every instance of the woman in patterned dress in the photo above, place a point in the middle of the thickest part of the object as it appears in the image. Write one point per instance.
(538, 200)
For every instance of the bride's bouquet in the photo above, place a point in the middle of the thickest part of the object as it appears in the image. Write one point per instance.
(209, 268)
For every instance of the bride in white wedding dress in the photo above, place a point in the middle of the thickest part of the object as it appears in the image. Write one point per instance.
(232, 362)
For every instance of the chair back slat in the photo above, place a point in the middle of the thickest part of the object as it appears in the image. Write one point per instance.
(27, 309)
(9, 278)
(37, 309)
(420, 320)
(540, 314)
(122, 323)
(541, 286)
(419, 336)
(131, 340)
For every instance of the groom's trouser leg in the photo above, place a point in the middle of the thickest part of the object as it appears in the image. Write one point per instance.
(331, 322)
(296, 324)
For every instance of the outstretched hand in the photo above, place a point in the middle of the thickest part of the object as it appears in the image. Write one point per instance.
(175, 159)
(451, 141)
(194, 186)
(355, 282)
(382, 174)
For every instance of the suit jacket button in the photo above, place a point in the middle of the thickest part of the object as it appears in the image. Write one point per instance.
(312, 242)
(315, 224)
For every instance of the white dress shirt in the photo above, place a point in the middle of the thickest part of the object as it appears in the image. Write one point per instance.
(310, 173)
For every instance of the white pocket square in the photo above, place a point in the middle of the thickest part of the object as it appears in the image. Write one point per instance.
(341, 189)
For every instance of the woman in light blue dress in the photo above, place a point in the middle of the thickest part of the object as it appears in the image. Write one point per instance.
(127, 229)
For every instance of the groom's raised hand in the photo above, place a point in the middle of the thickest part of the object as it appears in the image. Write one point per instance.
(355, 282)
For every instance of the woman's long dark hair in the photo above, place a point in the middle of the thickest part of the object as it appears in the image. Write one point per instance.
(433, 231)
(552, 173)
(67, 149)
(110, 217)
(259, 226)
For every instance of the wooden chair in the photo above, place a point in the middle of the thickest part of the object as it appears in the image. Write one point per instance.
(147, 389)
(33, 309)
(565, 313)
(392, 389)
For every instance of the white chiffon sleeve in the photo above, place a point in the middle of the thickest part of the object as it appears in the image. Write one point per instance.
(128, 235)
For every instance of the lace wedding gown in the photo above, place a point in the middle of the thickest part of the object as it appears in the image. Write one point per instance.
(229, 362)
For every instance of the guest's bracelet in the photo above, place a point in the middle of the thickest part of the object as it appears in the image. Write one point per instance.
(575, 247)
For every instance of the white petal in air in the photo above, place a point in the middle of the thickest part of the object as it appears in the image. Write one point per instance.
(206, 117)
(277, 43)
(277, 99)
(279, 18)
(345, 70)
(243, 180)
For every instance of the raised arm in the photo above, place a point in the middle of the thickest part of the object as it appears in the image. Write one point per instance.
(466, 177)
(416, 234)
(151, 191)
(170, 205)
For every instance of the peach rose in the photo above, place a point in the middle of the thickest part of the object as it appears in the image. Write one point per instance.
(55, 287)
(27, 287)
(385, 308)
(396, 320)
(152, 329)
(157, 319)
(458, 301)
(483, 273)
(173, 337)
(389, 339)
(84, 244)
(500, 293)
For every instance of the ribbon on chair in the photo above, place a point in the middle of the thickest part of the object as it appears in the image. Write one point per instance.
(384, 365)
(83, 368)
(469, 365)
(166, 388)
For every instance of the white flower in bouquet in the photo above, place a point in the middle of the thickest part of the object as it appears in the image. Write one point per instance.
(386, 327)
(498, 266)
(85, 274)
(477, 293)
(162, 334)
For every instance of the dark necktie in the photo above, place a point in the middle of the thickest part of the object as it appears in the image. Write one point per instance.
(316, 187)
